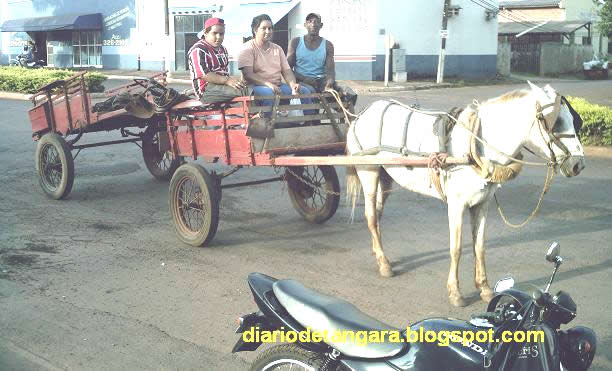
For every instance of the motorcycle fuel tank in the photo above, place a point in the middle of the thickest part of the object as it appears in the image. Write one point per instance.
(451, 349)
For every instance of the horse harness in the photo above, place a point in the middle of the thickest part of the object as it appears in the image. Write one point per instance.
(442, 128)
(549, 126)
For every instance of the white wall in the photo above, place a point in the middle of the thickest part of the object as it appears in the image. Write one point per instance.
(349, 24)
(470, 33)
(415, 25)
(149, 38)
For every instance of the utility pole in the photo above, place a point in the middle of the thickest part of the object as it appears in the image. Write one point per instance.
(443, 36)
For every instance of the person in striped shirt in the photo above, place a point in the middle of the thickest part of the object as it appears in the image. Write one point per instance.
(208, 65)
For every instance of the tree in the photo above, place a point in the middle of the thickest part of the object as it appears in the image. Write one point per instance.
(604, 25)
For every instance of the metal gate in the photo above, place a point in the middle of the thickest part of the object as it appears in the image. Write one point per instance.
(525, 55)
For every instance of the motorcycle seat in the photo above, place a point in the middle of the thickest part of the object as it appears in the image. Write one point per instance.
(327, 314)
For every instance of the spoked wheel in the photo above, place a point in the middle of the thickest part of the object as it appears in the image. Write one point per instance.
(287, 357)
(194, 204)
(314, 191)
(161, 165)
(54, 165)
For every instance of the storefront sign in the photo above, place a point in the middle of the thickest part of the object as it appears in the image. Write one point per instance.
(115, 40)
(18, 43)
(116, 19)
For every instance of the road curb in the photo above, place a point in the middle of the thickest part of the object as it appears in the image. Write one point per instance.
(14, 96)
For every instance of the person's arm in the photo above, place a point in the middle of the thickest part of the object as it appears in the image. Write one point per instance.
(215, 78)
(253, 78)
(290, 79)
(287, 73)
(291, 51)
(202, 71)
(330, 67)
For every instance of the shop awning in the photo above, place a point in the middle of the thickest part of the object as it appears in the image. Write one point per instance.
(59, 22)
(561, 27)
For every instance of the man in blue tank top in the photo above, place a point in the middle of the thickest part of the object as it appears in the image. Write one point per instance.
(312, 59)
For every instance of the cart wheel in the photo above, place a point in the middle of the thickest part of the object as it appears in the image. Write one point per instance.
(194, 204)
(161, 165)
(54, 165)
(315, 204)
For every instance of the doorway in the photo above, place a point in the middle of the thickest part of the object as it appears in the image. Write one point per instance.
(186, 28)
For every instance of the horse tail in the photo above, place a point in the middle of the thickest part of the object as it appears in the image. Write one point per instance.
(353, 188)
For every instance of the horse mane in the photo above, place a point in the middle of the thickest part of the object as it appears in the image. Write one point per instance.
(515, 94)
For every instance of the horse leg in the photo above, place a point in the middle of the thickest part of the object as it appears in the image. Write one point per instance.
(384, 187)
(455, 223)
(478, 216)
(369, 182)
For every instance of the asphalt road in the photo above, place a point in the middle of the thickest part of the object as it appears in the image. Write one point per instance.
(99, 281)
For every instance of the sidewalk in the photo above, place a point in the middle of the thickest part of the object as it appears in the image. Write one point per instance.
(360, 87)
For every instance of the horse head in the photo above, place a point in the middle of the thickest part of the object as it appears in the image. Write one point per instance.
(555, 131)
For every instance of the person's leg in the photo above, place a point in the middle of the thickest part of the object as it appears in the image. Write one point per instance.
(261, 90)
(307, 89)
(216, 93)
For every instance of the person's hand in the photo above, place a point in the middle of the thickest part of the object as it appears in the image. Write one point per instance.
(329, 84)
(295, 87)
(275, 88)
(235, 83)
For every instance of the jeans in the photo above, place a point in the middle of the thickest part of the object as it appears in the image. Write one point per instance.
(286, 90)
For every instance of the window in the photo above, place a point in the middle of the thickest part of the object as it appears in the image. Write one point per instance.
(186, 28)
(87, 49)
(586, 40)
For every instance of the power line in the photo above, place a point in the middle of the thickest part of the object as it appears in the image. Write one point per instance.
(512, 17)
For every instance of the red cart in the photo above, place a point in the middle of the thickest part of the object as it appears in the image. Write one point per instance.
(245, 133)
(62, 114)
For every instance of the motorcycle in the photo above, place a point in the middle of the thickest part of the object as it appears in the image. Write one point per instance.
(26, 60)
(291, 313)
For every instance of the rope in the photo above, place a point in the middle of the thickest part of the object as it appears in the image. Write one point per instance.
(475, 136)
(547, 183)
(437, 161)
(346, 112)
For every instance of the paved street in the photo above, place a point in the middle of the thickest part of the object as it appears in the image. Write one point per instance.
(100, 281)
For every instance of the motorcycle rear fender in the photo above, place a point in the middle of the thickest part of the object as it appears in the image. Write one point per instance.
(271, 316)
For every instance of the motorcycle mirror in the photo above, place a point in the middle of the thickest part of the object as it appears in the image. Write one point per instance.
(504, 284)
(553, 252)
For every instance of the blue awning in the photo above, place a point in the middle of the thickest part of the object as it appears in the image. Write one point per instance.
(238, 18)
(60, 22)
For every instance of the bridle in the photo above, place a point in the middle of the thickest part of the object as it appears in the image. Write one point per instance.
(546, 125)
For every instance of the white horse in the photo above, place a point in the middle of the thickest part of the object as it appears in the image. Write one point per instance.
(534, 118)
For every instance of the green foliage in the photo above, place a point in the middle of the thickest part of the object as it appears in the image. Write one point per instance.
(604, 24)
(29, 80)
(597, 122)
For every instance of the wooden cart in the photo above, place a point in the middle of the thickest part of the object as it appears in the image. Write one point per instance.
(62, 114)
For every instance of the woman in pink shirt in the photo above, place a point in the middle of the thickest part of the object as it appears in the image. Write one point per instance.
(264, 64)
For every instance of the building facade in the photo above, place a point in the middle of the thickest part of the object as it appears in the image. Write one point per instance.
(567, 21)
(155, 34)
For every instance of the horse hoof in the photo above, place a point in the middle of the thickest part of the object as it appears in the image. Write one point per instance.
(487, 295)
(457, 301)
(386, 271)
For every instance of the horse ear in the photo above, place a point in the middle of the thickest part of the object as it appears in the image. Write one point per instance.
(533, 86)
